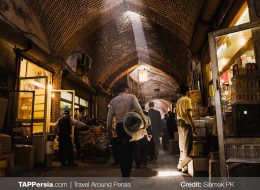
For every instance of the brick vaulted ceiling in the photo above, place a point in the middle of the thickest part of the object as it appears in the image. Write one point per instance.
(168, 27)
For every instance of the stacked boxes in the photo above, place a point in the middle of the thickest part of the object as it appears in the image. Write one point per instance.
(9, 163)
(24, 156)
(5, 140)
(2, 166)
(198, 167)
(6, 155)
(199, 148)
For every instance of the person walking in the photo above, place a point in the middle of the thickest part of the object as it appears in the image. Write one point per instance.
(114, 141)
(141, 148)
(185, 125)
(63, 128)
(156, 127)
(171, 125)
(165, 135)
(119, 107)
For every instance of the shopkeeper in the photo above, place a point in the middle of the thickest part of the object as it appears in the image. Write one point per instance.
(63, 128)
(185, 124)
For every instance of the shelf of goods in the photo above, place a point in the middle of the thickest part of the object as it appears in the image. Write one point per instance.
(245, 88)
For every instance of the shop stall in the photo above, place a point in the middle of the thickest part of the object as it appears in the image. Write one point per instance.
(30, 124)
(236, 78)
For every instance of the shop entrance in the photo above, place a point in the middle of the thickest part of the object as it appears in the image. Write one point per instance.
(59, 101)
(39, 86)
(235, 68)
(33, 107)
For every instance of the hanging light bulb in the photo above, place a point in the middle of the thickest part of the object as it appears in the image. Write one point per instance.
(143, 75)
(50, 86)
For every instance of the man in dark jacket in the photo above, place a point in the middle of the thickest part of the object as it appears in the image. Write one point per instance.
(64, 129)
(156, 127)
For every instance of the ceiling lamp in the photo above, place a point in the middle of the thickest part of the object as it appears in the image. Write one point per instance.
(143, 75)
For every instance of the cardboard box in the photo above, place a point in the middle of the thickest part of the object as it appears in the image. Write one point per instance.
(198, 167)
(198, 148)
(195, 96)
(2, 166)
(5, 140)
(24, 156)
(201, 132)
(9, 163)
(38, 142)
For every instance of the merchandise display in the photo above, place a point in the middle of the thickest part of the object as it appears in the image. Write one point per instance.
(236, 80)
(94, 142)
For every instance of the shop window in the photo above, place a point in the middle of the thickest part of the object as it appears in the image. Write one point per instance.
(34, 78)
(29, 69)
(76, 100)
(66, 96)
(242, 16)
(66, 103)
(83, 102)
(239, 82)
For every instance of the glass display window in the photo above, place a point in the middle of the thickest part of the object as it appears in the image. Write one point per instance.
(83, 102)
(37, 79)
(235, 58)
(39, 86)
(66, 96)
(239, 82)
(29, 69)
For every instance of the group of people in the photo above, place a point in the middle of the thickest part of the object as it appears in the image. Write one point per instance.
(169, 128)
(129, 150)
(125, 150)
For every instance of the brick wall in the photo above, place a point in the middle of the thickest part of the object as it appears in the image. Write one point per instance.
(55, 105)
(113, 47)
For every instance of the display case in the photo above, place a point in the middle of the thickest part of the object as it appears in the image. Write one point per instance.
(20, 116)
(236, 78)
(39, 86)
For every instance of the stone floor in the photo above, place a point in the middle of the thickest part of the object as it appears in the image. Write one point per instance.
(164, 166)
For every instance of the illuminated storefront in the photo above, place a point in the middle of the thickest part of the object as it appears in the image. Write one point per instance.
(236, 78)
(39, 80)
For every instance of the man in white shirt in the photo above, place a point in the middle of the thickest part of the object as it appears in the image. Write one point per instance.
(185, 124)
(119, 107)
